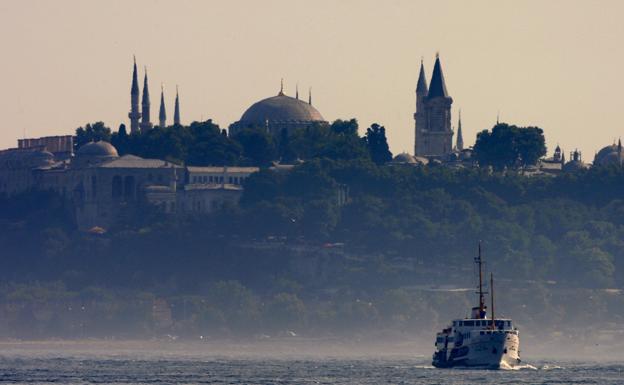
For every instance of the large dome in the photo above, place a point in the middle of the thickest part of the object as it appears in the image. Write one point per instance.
(609, 155)
(94, 153)
(97, 149)
(282, 109)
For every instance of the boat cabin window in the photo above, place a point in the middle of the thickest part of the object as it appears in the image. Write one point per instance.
(469, 323)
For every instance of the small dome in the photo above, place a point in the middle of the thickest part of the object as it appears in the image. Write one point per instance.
(42, 158)
(98, 149)
(574, 165)
(404, 157)
(280, 108)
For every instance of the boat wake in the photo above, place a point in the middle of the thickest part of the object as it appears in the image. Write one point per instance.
(505, 366)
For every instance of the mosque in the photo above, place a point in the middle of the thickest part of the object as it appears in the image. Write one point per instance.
(100, 184)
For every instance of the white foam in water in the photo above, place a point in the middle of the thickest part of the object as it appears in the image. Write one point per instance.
(505, 366)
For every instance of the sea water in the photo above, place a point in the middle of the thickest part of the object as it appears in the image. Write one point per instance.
(119, 369)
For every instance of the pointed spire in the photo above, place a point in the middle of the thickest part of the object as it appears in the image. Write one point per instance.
(135, 82)
(297, 91)
(281, 93)
(134, 113)
(421, 87)
(146, 121)
(437, 86)
(460, 137)
(310, 96)
(176, 112)
(146, 98)
(162, 114)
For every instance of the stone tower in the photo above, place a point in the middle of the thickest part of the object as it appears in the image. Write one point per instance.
(134, 113)
(162, 114)
(176, 111)
(433, 132)
(146, 124)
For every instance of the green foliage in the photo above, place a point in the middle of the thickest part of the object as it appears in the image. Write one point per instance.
(258, 146)
(377, 144)
(509, 146)
(91, 133)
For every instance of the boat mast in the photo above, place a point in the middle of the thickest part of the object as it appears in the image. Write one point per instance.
(481, 300)
(492, 298)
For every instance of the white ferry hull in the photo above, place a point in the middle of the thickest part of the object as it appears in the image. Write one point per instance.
(493, 351)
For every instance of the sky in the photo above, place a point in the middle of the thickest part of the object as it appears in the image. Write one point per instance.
(554, 64)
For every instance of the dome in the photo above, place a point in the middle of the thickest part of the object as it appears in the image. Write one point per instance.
(611, 158)
(98, 149)
(42, 158)
(404, 157)
(280, 108)
(94, 153)
(574, 165)
(607, 155)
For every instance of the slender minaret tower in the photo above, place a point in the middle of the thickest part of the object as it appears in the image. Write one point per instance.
(460, 139)
(310, 96)
(134, 113)
(420, 116)
(162, 114)
(146, 123)
(176, 111)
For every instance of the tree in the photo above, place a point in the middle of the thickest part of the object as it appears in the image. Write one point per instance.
(377, 144)
(509, 146)
(119, 139)
(258, 146)
(92, 133)
(349, 127)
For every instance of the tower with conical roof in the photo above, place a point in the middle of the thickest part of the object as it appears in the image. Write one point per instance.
(460, 138)
(162, 114)
(420, 115)
(176, 111)
(146, 123)
(434, 135)
(134, 113)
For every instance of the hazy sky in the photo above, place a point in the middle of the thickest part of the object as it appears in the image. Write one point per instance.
(555, 64)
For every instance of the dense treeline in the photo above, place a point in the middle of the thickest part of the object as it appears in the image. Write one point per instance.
(333, 244)
(205, 144)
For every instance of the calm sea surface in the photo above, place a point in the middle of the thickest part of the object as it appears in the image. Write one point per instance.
(126, 370)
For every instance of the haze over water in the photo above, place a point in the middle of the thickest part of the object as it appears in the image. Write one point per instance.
(138, 363)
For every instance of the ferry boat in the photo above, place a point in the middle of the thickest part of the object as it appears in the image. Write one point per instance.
(478, 341)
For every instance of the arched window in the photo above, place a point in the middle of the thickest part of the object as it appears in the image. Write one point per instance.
(93, 186)
(117, 187)
(129, 187)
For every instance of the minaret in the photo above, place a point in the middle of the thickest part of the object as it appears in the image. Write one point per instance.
(460, 138)
(162, 114)
(297, 91)
(310, 96)
(146, 124)
(134, 113)
(176, 111)
(420, 116)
